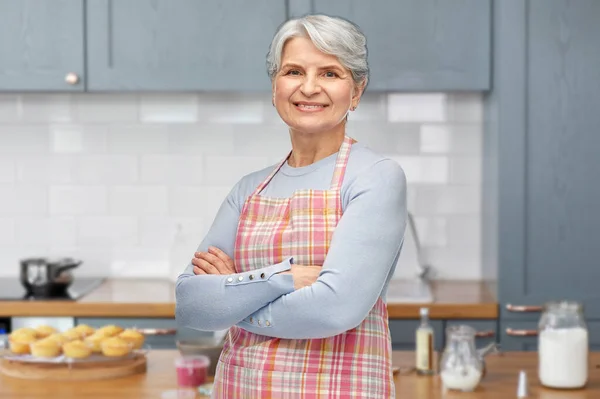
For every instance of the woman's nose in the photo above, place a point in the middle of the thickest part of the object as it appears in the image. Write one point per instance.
(310, 86)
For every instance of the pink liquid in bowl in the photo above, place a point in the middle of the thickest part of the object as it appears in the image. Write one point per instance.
(192, 370)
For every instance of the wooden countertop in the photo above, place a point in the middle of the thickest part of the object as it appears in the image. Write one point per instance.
(500, 382)
(156, 298)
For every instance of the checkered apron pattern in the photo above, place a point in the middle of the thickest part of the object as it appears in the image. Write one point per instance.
(354, 364)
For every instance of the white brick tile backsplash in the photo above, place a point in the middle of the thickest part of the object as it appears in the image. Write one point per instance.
(201, 139)
(7, 232)
(75, 139)
(106, 169)
(23, 200)
(420, 107)
(57, 231)
(168, 108)
(46, 108)
(78, 200)
(10, 108)
(139, 200)
(171, 170)
(108, 178)
(7, 169)
(45, 169)
(105, 108)
(107, 230)
(447, 200)
(232, 108)
(23, 139)
(424, 169)
(226, 171)
(137, 139)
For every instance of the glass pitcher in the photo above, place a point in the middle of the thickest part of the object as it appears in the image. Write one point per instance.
(563, 345)
(461, 366)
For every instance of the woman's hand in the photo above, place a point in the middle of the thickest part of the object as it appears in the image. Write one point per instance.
(304, 275)
(214, 261)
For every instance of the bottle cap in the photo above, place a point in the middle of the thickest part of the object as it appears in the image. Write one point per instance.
(424, 312)
(522, 389)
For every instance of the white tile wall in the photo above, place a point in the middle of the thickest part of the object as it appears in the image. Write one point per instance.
(128, 182)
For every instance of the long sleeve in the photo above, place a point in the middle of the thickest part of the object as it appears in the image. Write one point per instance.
(217, 302)
(364, 248)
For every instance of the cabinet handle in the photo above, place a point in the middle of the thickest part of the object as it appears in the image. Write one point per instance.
(157, 331)
(521, 333)
(484, 334)
(72, 78)
(523, 308)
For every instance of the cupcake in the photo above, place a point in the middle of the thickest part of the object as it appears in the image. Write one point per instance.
(94, 342)
(84, 330)
(25, 331)
(115, 347)
(72, 334)
(134, 337)
(45, 331)
(45, 348)
(58, 338)
(20, 344)
(77, 349)
(109, 330)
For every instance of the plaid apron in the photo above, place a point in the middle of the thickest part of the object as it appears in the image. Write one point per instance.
(354, 364)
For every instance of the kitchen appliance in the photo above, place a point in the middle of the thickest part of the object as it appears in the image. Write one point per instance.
(11, 289)
(43, 277)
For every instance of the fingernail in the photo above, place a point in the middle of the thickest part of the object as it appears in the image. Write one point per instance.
(211, 249)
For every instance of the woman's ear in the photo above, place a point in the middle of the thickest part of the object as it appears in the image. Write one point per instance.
(358, 91)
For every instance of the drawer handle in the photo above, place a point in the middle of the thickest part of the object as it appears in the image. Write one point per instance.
(523, 308)
(157, 331)
(521, 333)
(484, 334)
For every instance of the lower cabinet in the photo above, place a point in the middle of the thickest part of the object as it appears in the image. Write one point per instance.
(161, 333)
(403, 334)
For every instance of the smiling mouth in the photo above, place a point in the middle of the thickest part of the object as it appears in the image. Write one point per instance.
(310, 107)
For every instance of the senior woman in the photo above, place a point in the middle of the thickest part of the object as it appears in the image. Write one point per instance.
(297, 261)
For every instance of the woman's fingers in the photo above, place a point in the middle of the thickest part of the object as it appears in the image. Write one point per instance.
(227, 261)
(206, 266)
(197, 270)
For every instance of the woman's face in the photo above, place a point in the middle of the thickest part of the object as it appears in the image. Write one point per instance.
(312, 90)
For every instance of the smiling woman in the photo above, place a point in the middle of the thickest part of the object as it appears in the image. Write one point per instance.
(298, 259)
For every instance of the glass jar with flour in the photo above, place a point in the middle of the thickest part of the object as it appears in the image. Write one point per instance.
(563, 346)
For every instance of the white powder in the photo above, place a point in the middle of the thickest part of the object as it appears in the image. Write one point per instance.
(461, 378)
(563, 357)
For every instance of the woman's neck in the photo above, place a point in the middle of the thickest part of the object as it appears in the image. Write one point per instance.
(310, 148)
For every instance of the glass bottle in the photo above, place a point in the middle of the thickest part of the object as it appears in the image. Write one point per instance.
(424, 350)
(563, 345)
(461, 366)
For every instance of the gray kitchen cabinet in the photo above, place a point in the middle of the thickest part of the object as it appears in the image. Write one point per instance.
(421, 45)
(522, 335)
(167, 341)
(540, 198)
(486, 330)
(41, 45)
(188, 45)
(403, 334)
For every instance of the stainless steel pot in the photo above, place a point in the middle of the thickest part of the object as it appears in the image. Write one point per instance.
(45, 277)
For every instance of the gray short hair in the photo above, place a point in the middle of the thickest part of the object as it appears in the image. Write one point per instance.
(331, 35)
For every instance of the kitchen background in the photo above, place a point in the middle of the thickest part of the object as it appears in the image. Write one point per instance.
(130, 183)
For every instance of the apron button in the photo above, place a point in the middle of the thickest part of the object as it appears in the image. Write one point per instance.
(267, 323)
(258, 322)
(262, 275)
(240, 278)
(251, 321)
(230, 280)
(251, 277)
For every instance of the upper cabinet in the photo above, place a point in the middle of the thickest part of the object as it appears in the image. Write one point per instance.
(187, 45)
(422, 45)
(41, 45)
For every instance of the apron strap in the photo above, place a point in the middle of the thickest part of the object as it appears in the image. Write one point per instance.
(338, 172)
(340, 164)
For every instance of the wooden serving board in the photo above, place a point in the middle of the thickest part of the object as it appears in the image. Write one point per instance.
(76, 371)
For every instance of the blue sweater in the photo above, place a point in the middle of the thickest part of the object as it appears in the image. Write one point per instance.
(361, 260)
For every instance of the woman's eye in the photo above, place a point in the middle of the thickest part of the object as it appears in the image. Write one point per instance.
(293, 72)
(331, 74)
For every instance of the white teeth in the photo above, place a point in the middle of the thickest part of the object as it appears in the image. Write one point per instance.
(309, 106)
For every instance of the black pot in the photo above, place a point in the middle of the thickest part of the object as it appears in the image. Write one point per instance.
(43, 277)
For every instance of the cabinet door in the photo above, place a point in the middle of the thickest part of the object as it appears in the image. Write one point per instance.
(546, 137)
(185, 45)
(41, 43)
(422, 45)
(403, 334)
(522, 335)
